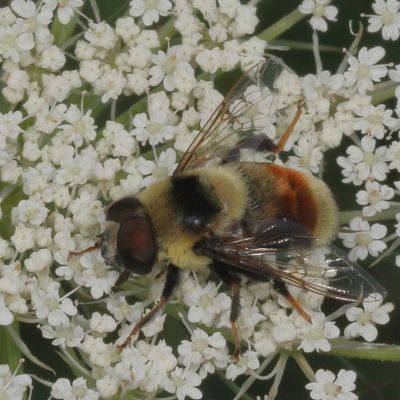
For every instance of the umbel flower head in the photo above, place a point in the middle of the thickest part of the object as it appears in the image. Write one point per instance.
(96, 107)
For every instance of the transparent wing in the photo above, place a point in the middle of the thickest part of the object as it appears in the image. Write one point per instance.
(323, 270)
(247, 114)
(326, 271)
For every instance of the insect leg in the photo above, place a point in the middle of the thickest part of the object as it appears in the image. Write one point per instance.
(72, 254)
(281, 287)
(285, 136)
(96, 246)
(263, 143)
(233, 282)
(171, 281)
(123, 276)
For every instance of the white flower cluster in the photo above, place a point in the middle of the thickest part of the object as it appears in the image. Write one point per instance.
(63, 158)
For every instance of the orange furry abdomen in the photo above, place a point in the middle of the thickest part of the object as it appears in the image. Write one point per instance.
(295, 196)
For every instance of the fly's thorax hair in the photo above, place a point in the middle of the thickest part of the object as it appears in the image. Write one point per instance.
(173, 241)
(191, 206)
(228, 186)
(156, 198)
(263, 193)
(328, 216)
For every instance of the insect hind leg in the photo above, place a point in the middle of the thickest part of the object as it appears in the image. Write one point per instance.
(261, 143)
(281, 288)
(285, 136)
(264, 143)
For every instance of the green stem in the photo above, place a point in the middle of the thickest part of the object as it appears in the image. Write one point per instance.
(9, 353)
(346, 216)
(304, 365)
(138, 107)
(365, 351)
(167, 31)
(62, 33)
(233, 387)
(281, 26)
(387, 252)
(298, 45)
(383, 91)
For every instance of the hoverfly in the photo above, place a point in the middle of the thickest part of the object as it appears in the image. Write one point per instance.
(261, 220)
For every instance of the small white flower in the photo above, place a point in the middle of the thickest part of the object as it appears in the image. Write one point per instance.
(320, 9)
(163, 167)
(394, 75)
(48, 305)
(210, 59)
(245, 21)
(184, 383)
(96, 275)
(264, 343)
(23, 238)
(387, 18)
(329, 387)
(65, 10)
(56, 88)
(155, 326)
(393, 155)
(76, 170)
(99, 353)
(102, 323)
(15, 40)
(110, 85)
(80, 126)
(52, 59)
(315, 335)
(9, 125)
(374, 198)
(64, 335)
(308, 155)
(364, 162)
(284, 332)
(374, 120)
(156, 128)
(247, 363)
(364, 320)
(107, 386)
(31, 211)
(6, 316)
(206, 352)
(101, 35)
(206, 304)
(120, 143)
(365, 240)
(173, 70)
(38, 260)
(363, 72)
(150, 10)
(320, 89)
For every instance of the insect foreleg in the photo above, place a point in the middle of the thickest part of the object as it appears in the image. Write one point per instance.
(171, 282)
(233, 281)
